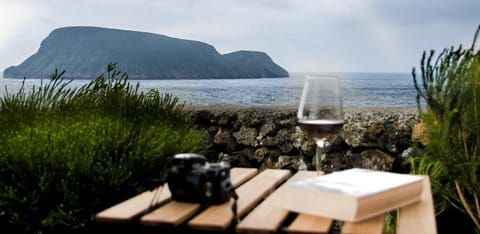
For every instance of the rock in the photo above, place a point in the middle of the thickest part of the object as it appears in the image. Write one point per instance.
(284, 140)
(269, 138)
(242, 158)
(354, 133)
(224, 137)
(227, 119)
(224, 157)
(283, 119)
(247, 153)
(407, 155)
(261, 153)
(373, 159)
(308, 148)
(267, 128)
(290, 162)
(211, 132)
(246, 136)
(333, 161)
(388, 133)
(251, 119)
(335, 143)
(202, 118)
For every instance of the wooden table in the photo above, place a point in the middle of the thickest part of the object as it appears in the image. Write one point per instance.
(259, 209)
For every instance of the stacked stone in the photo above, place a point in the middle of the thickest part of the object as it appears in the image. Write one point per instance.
(268, 137)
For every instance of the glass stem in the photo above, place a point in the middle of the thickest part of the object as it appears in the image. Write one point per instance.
(319, 155)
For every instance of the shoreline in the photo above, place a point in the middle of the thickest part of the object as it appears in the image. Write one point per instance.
(406, 109)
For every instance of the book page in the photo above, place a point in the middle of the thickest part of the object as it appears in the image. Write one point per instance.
(357, 182)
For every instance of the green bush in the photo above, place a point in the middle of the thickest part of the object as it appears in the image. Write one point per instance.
(451, 90)
(68, 153)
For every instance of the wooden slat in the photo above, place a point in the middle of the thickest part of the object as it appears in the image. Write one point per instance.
(240, 175)
(419, 217)
(416, 218)
(174, 213)
(370, 226)
(269, 215)
(305, 223)
(219, 217)
(133, 207)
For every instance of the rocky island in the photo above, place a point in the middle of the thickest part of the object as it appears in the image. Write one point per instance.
(84, 52)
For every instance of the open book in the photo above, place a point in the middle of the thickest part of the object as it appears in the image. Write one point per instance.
(353, 194)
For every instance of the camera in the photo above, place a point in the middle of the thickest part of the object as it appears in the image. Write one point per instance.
(192, 179)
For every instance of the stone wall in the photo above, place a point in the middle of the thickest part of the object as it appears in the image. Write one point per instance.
(268, 137)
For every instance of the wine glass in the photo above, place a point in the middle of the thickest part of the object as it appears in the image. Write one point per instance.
(320, 113)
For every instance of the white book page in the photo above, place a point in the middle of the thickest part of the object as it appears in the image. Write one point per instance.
(357, 182)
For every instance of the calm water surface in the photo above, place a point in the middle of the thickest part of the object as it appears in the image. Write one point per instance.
(360, 89)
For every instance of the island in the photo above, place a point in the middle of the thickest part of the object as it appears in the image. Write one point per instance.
(84, 53)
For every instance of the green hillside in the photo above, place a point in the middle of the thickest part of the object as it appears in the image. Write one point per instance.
(84, 52)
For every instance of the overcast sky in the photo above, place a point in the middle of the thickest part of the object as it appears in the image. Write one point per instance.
(300, 35)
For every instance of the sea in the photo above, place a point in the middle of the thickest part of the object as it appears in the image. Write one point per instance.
(366, 89)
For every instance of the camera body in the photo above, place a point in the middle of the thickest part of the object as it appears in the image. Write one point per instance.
(192, 179)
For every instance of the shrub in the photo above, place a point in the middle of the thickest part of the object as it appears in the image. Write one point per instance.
(68, 153)
(451, 90)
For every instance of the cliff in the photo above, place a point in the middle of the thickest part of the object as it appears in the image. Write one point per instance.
(257, 63)
(84, 52)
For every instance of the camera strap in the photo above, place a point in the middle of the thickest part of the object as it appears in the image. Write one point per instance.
(157, 191)
(231, 190)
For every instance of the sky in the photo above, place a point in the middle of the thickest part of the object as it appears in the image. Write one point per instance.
(299, 35)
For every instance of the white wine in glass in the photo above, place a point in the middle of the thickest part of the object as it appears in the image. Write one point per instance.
(320, 113)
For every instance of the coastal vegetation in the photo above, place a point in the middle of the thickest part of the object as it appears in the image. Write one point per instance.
(68, 153)
(450, 87)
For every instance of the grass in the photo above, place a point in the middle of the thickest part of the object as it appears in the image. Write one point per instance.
(68, 153)
(450, 86)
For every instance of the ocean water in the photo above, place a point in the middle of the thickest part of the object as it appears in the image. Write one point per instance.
(359, 89)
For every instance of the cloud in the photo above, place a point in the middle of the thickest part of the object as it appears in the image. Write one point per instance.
(16, 30)
(324, 35)
(408, 12)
